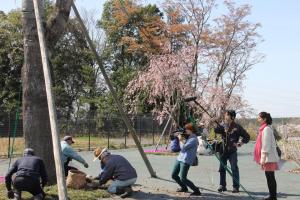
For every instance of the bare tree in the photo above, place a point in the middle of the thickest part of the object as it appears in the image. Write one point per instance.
(36, 123)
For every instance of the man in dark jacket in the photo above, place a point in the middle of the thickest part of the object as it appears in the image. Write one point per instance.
(28, 171)
(231, 133)
(118, 169)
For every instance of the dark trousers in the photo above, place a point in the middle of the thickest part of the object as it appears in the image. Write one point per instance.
(68, 168)
(272, 185)
(28, 184)
(182, 169)
(232, 157)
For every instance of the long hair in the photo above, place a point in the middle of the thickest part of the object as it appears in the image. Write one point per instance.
(266, 117)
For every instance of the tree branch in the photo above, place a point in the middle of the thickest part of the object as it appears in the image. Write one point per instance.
(57, 22)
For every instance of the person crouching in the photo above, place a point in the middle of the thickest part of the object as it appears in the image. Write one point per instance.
(118, 169)
(30, 174)
(185, 159)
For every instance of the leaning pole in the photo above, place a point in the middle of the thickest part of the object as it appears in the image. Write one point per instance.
(113, 92)
(61, 183)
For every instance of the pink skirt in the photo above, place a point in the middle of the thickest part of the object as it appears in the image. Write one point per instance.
(270, 166)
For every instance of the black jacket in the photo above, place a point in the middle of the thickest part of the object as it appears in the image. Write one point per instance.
(233, 134)
(27, 166)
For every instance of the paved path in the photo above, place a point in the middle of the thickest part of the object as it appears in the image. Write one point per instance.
(205, 176)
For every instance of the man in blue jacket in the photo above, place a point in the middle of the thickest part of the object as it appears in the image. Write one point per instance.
(231, 133)
(118, 169)
(30, 174)
(68, 153)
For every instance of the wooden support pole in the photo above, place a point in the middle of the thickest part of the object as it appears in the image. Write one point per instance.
(60, 175)
(112, 90)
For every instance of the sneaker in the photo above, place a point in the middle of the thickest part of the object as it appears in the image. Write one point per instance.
(222, 189)
(235, 190)
(181, 190)
(127, 192)
(196, 193)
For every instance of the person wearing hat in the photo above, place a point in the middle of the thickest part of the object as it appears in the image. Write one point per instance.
(118, 169)
(68, 153)
(231, 133)
(30, 176)
(185, 159)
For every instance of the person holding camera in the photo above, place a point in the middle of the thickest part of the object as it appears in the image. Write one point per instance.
(185, 159)
(174, 142)
(265, 153)
(231, 133)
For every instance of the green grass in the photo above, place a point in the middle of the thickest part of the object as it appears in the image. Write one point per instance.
(51, 192)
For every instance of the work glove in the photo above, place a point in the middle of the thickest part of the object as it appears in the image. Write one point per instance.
(86, 165)
(10, 194)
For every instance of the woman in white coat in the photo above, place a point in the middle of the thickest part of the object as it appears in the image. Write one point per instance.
(265, 153)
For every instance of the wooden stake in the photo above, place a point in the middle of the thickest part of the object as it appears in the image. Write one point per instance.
(60, 175)
(112, 90)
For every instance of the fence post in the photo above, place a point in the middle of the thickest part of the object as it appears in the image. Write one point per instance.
(89, 134)
(125, 134)
(152, 131)
(140, 129)
(8, 148)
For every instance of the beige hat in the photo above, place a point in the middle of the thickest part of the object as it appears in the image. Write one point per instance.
(98, 152)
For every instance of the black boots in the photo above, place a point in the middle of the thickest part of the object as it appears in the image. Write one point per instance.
(222, 189)
(196, 193)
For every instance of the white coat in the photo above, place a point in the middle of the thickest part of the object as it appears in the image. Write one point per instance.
(268, 146)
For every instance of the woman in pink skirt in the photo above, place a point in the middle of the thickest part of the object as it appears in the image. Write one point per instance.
(265, 153)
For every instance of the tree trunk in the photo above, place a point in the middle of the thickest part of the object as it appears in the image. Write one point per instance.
(36, 124)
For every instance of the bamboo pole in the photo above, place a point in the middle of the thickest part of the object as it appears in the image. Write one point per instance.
(60, 176)
(112, 90)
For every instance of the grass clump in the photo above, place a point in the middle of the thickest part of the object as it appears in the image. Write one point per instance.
(51, 192)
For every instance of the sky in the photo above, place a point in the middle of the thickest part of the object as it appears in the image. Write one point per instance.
(274, 84)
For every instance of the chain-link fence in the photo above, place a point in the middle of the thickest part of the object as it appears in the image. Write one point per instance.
(106, 131)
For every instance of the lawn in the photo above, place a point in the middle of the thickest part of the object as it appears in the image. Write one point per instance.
(51, 192)
(82, 143)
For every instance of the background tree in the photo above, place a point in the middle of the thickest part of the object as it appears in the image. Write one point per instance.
(11, 60)
(133, 32)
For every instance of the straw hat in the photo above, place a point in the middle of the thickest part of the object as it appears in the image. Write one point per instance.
(98, 152)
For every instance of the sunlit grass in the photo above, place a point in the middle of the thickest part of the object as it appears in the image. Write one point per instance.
(51, 192)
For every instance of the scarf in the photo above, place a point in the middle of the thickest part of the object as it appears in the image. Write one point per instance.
(257, 149)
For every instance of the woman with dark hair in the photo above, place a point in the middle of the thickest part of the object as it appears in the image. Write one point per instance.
(185, 159)
(265, 153)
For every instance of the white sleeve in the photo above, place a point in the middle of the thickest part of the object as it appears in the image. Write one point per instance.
(266, 140)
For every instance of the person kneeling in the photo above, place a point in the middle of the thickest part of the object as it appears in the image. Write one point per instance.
(28, 170)
(118, 169)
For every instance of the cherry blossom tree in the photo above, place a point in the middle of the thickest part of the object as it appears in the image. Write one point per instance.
(211, 62)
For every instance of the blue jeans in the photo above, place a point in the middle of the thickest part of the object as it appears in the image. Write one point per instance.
(232, 157)
(183, 169)
(117, 183)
